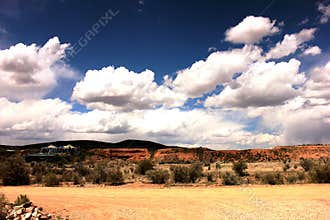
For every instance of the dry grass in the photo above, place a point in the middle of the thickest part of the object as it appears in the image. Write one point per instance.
(154, 202)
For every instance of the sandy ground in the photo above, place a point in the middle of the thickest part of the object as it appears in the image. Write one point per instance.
(145, 202)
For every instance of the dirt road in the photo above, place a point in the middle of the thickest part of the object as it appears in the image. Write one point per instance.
(138, 202)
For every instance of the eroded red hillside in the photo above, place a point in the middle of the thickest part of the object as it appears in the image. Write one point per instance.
(174, 155)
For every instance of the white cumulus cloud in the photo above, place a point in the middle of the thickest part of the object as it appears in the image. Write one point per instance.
(290, 43)
(251, 30)
(262, 84)
(219, 67)
(121, 89)
(313, 51)
(31, 71)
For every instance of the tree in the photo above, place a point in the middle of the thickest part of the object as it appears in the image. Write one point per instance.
(144, 166)
(15, 172)
(158, 176)
(239, 168)
(195, 172)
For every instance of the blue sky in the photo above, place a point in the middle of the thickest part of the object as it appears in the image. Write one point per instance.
(167, 38)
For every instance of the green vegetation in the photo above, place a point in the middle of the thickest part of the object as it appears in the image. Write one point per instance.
(272, 178)
(144, 166)
(306, 164)
(321, 172)
(180, 174)
(239, 168)
(158, 176)
(14, 172)
(52, 180)
(3, 203)
(195, 172)
(231, 179)
(115, 176)
(21, 199)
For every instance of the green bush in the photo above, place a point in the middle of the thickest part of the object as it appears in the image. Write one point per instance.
(144, 166)
(21, 199)
(231, 179)
(81, 169)
(239, 168)
(218, 166)
(301, 176)
(306, 164)
(51, 180)
(292, 178)
(180, 174)
(99, 173)
(272, 179)
(321, 172)
(3, 203)
(158, 176)
(211, 176)
(115, 176)
(77, 180)
(67, 176)
(14, 171)
(286, 167)
(195, 172)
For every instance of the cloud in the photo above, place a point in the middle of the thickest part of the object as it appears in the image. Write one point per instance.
(290, 43)
(31, 71)
(317, 87)
(325, 10)
(313, 51)
(251, 30)
(218, 68)
(121, 89)
(54, 119)
(263, 84)
(304, 119)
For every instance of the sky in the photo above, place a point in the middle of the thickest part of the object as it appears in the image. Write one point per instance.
(218, 74)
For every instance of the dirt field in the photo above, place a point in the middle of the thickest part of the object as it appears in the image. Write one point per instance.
(146, 202)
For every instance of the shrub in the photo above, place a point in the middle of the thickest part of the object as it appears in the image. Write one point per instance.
(218, 166)
(211, 177)
(301, 176)
(3, 203)
(67, 176)
(81, 169)
(240, 168)
(230, 179)
(115, 176)
(180, 174)
(292, 178)
(21, 199)
(158, 176)
(40, 168)
(272, 179)
(286, 167)
(77, 180)
(195, 172)
(99, 174)
(15, 172)
(144, 166)
(321, 173)
(51, 180)
(306, 164)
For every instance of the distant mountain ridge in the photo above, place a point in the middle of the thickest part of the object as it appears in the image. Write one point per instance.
(143, 149)
(90, 144)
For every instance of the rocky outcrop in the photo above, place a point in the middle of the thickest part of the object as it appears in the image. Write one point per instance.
(135, 154)
(26, 211)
